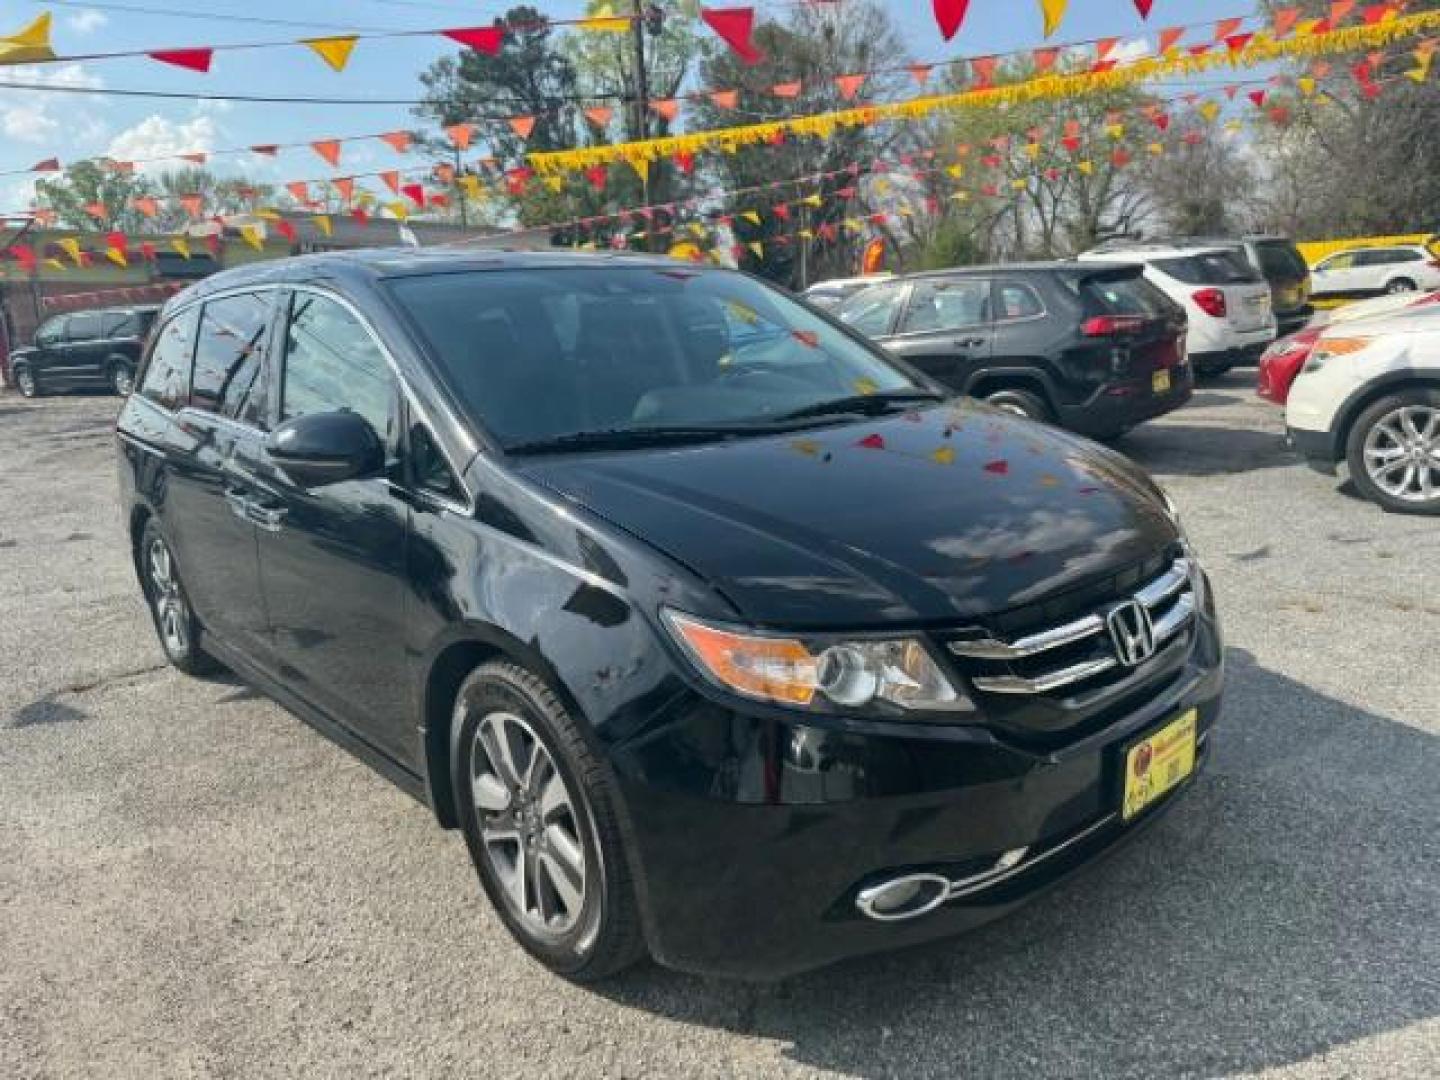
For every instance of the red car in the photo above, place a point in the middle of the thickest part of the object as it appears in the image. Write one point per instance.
(1282, 361)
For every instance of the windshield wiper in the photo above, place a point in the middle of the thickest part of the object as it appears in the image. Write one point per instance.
(863, 404)
(613, 438)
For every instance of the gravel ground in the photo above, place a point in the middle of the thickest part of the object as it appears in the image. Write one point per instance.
(193, 883)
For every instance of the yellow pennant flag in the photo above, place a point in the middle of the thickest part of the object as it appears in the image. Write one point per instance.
(181, 247)
(758, 248)
(117, 256)
(335, 51)
(1306, 85)
(882, 186)
(71, 247)
(54, 264)
(251, 235)
(1086, 167)
(812, 200)
(956, 171)
(398, 210)
(751, 216)
(641, 166)
(961, 196)
(322, 222)
(944, 456)
(32, 43)
(1417, 74)
(1054, 11)
(602, 20)
(1210, 110)
(268, 214)
(805, 234)
(555, 183)
(471, 184)
(1115, 131)
(1019, 184)
(1156, 148)
(697, 230)
(1232, 126)
(1032, 150)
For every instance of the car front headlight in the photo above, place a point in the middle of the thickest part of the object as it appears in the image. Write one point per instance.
(1326, 349)
(813, 674)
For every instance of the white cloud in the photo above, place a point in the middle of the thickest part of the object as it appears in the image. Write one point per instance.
(157, 137)
(87, 21)
(33, 116)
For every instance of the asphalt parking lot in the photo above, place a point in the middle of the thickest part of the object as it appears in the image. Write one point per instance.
(193, 883)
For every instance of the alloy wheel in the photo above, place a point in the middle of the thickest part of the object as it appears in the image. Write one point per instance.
(122, 381)
(26, 382)
(172, 614)
(1402, 453)
(529, 826)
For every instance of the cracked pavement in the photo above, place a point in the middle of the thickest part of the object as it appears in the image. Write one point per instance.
(193, 883)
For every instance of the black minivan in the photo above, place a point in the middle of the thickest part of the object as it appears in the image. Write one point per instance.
(84, 350)
(719, 634)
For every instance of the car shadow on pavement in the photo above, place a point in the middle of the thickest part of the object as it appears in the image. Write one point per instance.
(1285, 908)
(1205, 450)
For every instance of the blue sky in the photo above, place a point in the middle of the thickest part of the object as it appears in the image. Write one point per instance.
(35, 125)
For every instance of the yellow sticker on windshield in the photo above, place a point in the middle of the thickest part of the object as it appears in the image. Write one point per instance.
(865, 386)
(745, 314)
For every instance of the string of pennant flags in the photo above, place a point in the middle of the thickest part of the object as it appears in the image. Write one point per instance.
(979, 165)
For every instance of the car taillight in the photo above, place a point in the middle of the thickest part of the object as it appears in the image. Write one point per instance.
(1110, 325)
(1434, 264)
(1210, 301)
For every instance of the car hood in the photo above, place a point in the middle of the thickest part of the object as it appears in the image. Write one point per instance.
(936, 515)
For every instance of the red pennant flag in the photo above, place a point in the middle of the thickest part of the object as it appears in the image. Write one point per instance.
(735, 27)
(668, 108)
(460, 135)
(147, 251)
(485, 39)
(1361, 72)
(1236, 42)
(116, 241)
(1192, 138)
(146, 205)
(445, 174)
(984, 69)
(285, 229)
(1339, 10)
(949, 14)
(1170, 37)
(598, 176)
(522, 125)
(268, 149)
(329, 149)
(1285, 20)
(1161, 120)
(516, 180)
(1225, 27)
(920, 73)
(345, 185)
(872, 442)
(726, 99)
(1121, 158)
(1105, 46)
(361, 217)
(399, 141)
(849, 85)
(1257, 96)
(1280, 115)
(1375, 13)
(1071, 143)
(438, 198)
(24, 255)
(1199, 50)
(190, 59)
(48, 165)
(1045, 59)
(1371, 90)
(685, 162)
(1144, 6)
(415, 193)
(391, 179)
(300, 190)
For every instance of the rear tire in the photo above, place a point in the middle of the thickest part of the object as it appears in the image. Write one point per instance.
(122, 378)
(26, 383)
(1021, 403)
(538, 810)
(1393, 451)
(177, 627)
(1401, 285)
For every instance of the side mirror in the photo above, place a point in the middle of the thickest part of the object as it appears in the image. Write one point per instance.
(326, 448)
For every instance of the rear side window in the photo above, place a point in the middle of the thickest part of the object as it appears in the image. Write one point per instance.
(1388, 257)
(1125, 296)
(168, 370)
(947, 305)
(85, 327)
(1209, 268)
(229, 353)
(1280, 261)
(1016, 301)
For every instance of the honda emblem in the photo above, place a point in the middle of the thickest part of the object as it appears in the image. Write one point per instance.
(1132, 632)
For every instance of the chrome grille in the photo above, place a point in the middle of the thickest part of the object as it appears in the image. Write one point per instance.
(1082, 649)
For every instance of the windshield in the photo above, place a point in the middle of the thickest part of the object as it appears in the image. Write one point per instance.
(542, 354)
(1281, 261)
(1210, 268)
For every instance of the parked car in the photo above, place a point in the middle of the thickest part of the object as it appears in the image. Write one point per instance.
(1228, 303)
(829, 294)
(716, 631)
(1275, 258)
(1090, 347)
(1405, 268)
(1368, 398)
(83, 350)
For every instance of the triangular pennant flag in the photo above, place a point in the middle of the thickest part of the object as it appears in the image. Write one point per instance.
(1053, 12)
(1284, 21)
(1225, 27)
(146, 205)
(285, 229)
(1104, 47)
(667, 108)
(1377, 13)
(849, 85)
(522, 125)
(642, 167)
(1170, 37)
(117, 256)
(1257, 96)
(920, 73)
(1144, 6)
(335, 51)
(600, 115)
(1340, 10)
(24, 255)
(414, 192)
(48, 165)
(253, 236)
(399, 141)
(30, 44)
(1086, 167)
(391, 179)
(735, 27)
(194, 205)
(1044, 59)
(757, 248)
(787, 90)
(949, 14)
(1306, 85)
(190, 59)
(598, 176)
(345, 186)
(726, 99)
(147, 251)
(1237, 42)
(98, 210)
(180, 247)
(322, 224)
(329, 149)
(71, 247)
(461, 134)
(1210, 110)
(984, 69)
(300, 190)
(485, 39)
(471, 186)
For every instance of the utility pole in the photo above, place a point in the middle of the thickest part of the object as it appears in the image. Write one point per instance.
(642, 87)
(460, 188)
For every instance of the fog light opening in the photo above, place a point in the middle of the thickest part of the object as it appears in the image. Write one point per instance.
(902, 898)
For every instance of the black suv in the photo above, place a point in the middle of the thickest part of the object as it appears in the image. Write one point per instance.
(1093, 347)
(84, 350)
(718, 633)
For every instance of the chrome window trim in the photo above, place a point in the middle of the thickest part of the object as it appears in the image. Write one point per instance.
(988, 324)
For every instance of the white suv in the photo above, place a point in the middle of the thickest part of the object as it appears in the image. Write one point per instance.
(1405, 268)
(1369, 398)
(1228, 303)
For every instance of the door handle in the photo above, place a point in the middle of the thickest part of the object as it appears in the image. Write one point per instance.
(969, 343)
(269, 516)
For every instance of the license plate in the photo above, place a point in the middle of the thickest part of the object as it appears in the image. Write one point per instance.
(1160, 382)
(1158, 763)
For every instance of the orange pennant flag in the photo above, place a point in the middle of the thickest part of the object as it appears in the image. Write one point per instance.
(460, 135)
(335, 51)
(522, 125)
(668, 108)
(600, 115)
(345, 185)
(392, 180)
(329, 149)
(726, 99)
(97, 210)
(786, 90)
(299, 189)
(849, 85)
(194, 205)
(399, 141)
(146, 205)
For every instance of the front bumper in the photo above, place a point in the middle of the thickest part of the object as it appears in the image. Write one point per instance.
(1316, 447)
(754, 870)
(1240, 356)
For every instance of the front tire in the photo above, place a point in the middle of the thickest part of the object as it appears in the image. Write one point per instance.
(1394, 452)
(26, 382)
(1401, 285)
(538, 811)
(175, 623)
